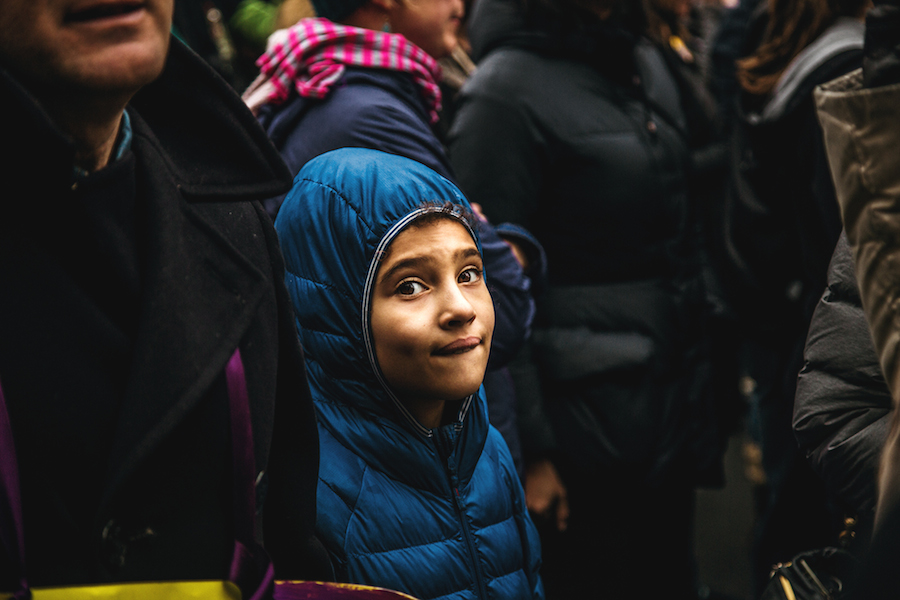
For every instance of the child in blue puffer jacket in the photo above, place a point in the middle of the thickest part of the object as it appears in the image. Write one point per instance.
(417, 492)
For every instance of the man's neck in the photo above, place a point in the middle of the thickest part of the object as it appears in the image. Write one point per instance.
(92, 122)
(94, 140)
(94, 149)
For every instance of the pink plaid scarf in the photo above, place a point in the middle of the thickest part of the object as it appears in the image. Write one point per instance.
(310, 57)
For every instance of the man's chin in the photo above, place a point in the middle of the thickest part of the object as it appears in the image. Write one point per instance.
(127, 69)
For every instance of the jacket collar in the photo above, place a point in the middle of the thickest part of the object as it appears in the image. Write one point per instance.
(40, 151)
(213, 144)
(386, 445)
(200, 296)
(196, 142)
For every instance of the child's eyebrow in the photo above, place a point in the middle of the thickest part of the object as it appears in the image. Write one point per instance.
(414, 261)
(468, 252)
(424, 259)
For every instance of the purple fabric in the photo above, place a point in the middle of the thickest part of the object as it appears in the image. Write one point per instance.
(321, 590)
(248, 561)
(244, 464)
(11, 523)
(247, 573)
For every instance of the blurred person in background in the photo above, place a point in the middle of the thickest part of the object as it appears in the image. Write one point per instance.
(858, 112)
(576, 126)
(781, 231)
(223, 33)
(364, 73)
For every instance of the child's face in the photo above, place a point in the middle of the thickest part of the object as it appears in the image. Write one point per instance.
(432, 316)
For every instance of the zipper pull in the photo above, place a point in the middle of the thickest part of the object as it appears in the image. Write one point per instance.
(457, 498)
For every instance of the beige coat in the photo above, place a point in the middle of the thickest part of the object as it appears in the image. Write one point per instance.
(862, 138)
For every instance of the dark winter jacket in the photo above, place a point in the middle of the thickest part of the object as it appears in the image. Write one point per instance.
(842, 408)
(783, 219)
(861, 135)
(437, 513)
(366, 108)
(858, 113)
(124, 295)
(581, 138)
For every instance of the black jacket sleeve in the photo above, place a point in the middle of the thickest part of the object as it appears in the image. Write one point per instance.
(842, 407)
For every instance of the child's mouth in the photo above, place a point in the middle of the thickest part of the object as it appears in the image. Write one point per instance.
(459, 346)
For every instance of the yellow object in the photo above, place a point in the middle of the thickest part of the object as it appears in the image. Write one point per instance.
(157, 590)
(788, 590)
(327, 589)
(205, 590)
(677, 44)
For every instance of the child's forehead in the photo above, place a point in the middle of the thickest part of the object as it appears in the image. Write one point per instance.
(429, 236)
(439, 226)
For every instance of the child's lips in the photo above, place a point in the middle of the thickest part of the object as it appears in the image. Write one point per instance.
(459, 346)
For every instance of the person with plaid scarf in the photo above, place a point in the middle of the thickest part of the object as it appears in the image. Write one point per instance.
(364, 73)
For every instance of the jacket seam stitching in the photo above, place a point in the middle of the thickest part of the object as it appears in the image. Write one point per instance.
(337, 193)
(328, 286)
(422, 545)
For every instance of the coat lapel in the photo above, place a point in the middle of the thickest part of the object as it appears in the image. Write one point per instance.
(200, 295)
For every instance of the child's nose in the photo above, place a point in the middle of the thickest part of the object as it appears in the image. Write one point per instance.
(457, 310)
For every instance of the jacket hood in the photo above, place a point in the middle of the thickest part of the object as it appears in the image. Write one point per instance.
(344, 210)
(495, 22)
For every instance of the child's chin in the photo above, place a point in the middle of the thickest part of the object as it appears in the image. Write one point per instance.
(466, 391)
(459, 392)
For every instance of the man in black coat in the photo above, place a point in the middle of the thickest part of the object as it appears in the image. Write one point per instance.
(132, 266)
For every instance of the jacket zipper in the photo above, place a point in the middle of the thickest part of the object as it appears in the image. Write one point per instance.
(444, 450)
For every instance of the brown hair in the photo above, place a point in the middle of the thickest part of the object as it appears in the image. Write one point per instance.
(792, 26)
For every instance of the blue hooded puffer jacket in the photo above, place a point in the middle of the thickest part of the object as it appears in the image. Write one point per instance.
(434, 513)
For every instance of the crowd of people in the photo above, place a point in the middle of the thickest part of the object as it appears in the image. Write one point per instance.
(454, 298)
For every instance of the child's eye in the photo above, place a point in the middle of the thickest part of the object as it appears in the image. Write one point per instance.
(410, 288)
(470, 275)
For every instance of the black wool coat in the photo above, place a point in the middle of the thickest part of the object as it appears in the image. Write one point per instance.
(122, 297)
